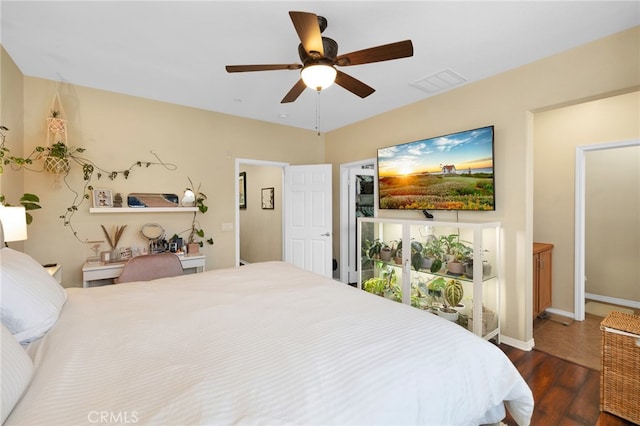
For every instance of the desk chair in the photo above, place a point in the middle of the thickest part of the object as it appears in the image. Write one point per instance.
(149, 267)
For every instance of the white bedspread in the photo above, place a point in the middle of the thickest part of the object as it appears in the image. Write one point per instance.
(263, 344)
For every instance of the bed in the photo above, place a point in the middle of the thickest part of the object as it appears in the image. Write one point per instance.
(263, 344)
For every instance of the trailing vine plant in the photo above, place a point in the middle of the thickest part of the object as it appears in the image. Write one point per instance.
(28, 201)
(90, 169)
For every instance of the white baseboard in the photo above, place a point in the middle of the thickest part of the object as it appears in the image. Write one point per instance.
(613, 300)
(518, 344)
(561, 312)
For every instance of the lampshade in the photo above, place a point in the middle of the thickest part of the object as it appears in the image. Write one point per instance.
(14, 223)
(318, 76)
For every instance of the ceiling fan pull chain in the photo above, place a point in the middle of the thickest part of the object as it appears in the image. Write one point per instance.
(318, 113)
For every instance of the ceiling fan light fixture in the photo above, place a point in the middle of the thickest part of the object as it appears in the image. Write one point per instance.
(318, 76)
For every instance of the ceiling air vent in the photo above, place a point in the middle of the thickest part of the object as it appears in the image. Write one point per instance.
(439, 82)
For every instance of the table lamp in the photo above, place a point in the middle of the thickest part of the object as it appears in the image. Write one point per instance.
(13, 224)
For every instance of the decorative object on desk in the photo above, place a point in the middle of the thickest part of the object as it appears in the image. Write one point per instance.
(154, 233)
(102, 198)
(268, 195)
(125, 253)
(113, 240)
(152, 200)
(94, 247)
(117, 200)
(242, 187)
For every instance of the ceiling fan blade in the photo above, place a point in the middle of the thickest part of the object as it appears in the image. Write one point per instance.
(295, 91)
(308, 29)
(353, 85)
(246, 68)
(386, 52)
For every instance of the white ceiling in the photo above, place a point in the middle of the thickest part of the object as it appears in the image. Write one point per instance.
(175, 51)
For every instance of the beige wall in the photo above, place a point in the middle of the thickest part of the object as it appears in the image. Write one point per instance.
(261, 229)
(119, 130)
(557, 134)
(506, 101)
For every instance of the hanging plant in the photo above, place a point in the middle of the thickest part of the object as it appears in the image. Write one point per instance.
(56, 157)
(56, 123)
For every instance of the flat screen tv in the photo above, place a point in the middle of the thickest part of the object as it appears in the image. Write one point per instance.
(450, 172)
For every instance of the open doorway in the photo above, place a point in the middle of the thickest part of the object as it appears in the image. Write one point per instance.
(358, 193)
(259, 226)
(607, 211)
(297, 199)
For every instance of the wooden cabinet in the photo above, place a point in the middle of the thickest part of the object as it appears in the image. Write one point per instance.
(542, 270)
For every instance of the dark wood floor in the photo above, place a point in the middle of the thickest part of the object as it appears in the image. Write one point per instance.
(565, 393)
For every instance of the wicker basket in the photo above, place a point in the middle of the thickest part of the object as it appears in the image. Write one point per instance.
(620, 374)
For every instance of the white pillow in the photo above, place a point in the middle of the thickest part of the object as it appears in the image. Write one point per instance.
(31, 298)
(17, 370)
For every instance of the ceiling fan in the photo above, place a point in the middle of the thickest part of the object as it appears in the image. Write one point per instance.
(319, 56)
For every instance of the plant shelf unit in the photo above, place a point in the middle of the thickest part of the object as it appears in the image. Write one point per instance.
(93, 210)
(481, 299)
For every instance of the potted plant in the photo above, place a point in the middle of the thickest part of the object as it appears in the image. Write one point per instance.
(452, 295)
(385, 252)
(433, 251)
(417, 259)
(56, 157)
(196, 234)
(455, 252)
(56, 122)
(384, 285)
(113, 240)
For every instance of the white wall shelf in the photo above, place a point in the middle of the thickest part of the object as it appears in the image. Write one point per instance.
(142, 209)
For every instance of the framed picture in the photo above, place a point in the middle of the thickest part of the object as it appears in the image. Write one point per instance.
(267, 198)
(242, 184)
(102, 198)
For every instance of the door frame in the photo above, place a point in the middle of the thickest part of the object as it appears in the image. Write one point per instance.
(344, 210)
(580, 231)
(238, 162)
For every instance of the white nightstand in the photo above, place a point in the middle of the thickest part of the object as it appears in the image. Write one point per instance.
(55, 271)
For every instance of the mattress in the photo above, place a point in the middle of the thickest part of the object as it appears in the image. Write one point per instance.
(263, 344)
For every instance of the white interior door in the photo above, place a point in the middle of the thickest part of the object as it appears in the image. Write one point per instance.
(307, 218)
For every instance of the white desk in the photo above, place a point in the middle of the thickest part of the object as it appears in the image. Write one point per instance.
(102, 271)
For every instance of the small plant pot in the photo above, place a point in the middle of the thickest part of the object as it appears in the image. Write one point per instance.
(455, 268)
(426, 263)
(55, 165)
(451, 316)
(385, 255)
(193, 248)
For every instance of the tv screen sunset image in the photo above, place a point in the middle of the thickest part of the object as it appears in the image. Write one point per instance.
(451, 172)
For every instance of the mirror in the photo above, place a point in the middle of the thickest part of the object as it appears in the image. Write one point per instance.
(152, 231)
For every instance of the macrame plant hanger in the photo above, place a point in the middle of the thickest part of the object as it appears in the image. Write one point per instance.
(56, 133)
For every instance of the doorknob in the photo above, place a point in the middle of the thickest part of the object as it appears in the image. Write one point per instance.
(326, 234)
